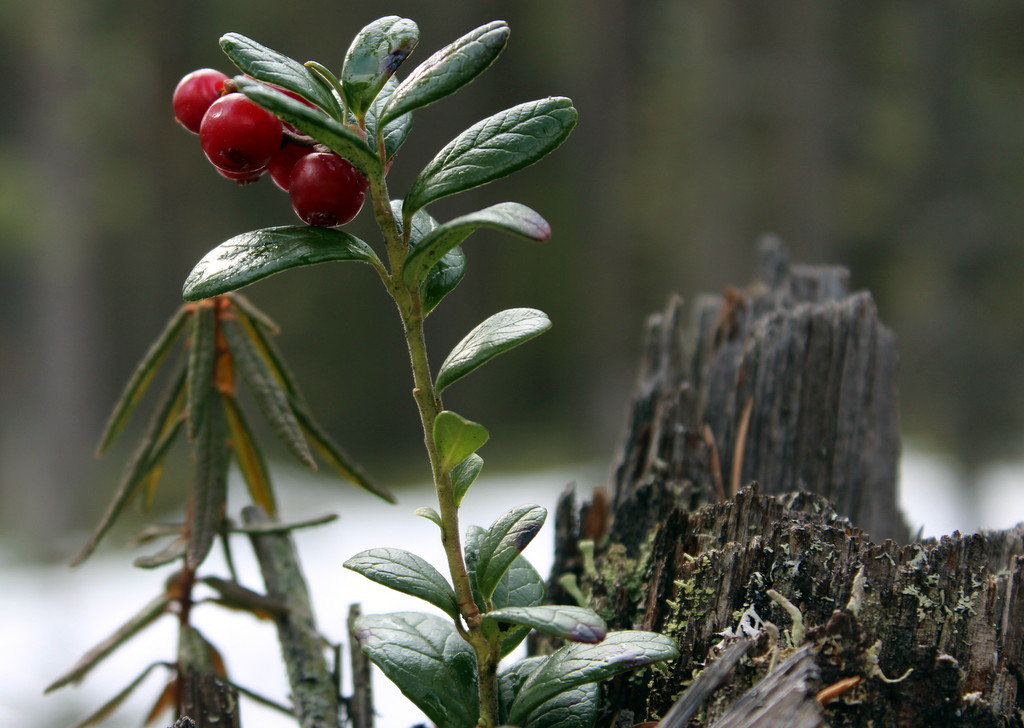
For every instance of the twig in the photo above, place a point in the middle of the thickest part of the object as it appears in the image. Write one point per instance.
(361, 704)
(316, 701)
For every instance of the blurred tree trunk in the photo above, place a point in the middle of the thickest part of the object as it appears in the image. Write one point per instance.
(790, 383)
(54, 406)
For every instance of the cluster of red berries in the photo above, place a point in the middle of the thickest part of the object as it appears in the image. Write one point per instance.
(242, 141)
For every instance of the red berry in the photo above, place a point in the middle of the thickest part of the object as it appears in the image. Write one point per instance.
(241, 178)
(326, 190)
(194, 94)
(239, 136)
(281, 165)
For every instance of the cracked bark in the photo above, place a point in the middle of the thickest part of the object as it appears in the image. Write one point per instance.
(787, 387)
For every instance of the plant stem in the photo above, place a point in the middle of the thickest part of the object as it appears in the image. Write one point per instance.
(428, 402)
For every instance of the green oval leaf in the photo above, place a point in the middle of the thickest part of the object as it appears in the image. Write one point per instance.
(510, 679)
(313, 122)
(252, 256)
(407, 573)
(575, 624)
(576, 708)
(449, 69)
(375, 54)
(464, 474)
(447, 272)
(509, 217)
(265, 64)
(443, 278)
(395, 130)
(494, 148)
(503, 542)
(577, 664)
(456, 438)
(520, 586)
(430, 514)
(503, 331)
(428, 661)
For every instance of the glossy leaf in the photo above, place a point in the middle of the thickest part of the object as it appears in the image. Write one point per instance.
(396, 130)
(494, 148)
(202, 352)
(271, 398)
(511, 679)
(249, 458)
(504, 541)
(209, 491)
(108, 708)
(430, 514)
(407, 573)
(578, 664)
(142, 619)
(447, 272)
(252, 256)
(142, 377)
(520, 586)
(337, 137)
(503, 331)
(456, 438)
(449, 69)
(330, 88)
(428, 660)
(509, 217)
(268, 65)
(443, 278)
(464, 474)
(575, 624)
(161, 432)
(576, 708)
(375, 54)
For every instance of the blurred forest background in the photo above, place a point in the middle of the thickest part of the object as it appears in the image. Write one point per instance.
(886, 136)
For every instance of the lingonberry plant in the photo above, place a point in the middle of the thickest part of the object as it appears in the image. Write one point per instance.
(329, 141)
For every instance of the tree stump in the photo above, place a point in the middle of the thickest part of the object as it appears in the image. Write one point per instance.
(789, 385)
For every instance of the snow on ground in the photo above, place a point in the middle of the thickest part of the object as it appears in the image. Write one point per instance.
(50, 615)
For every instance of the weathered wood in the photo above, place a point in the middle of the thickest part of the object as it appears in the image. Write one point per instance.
(912, 635)
(789, 382)
(208, 701)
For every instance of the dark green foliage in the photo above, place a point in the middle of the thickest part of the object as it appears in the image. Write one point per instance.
(407, 573)
(456, 438)
(496, 335)
(375, 54)
(425, 657)
(250, 257)
(448, 70)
